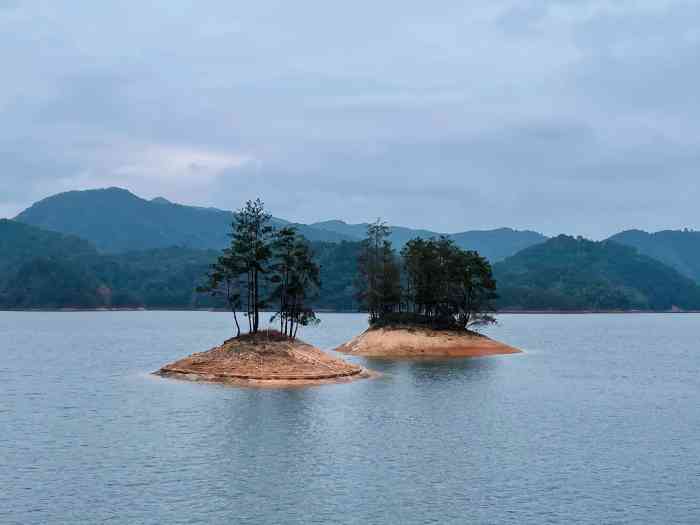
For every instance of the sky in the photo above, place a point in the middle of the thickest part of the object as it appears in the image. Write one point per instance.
(580, 117)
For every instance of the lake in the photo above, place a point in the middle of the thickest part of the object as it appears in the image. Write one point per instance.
(597, 422)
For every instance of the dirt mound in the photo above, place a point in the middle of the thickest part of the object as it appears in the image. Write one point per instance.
(417, 342)
(264, 359)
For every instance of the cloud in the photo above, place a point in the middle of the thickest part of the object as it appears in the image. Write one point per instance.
(558, 116)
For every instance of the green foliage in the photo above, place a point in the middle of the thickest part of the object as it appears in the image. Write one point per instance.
(446, 286)
(263, 266)
(251, 240)
(295, 280)
(378, 279)
(52, 283)
(569, 273)
(440, 285)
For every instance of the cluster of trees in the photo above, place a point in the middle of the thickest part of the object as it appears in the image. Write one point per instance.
(266, 267)
(431, 281)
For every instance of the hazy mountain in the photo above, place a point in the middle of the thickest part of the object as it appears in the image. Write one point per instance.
(116, 220)
(21, 242)
(40, 264)
(43, 269)
(679, 249)
(577, 274)
(46, 269)
(493, 244)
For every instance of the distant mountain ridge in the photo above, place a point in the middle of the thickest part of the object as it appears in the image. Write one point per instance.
(494, 244)
(115, 221)
(680, 249)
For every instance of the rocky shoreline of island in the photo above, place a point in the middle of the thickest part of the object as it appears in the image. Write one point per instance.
(265, 359)
(409, 342)
(271, 359)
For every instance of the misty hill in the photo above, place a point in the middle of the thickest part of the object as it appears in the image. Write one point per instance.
(679, 249)
(34, 262)
(20, 242)
(115, 220)
(493, 244)
(43, 269)
(577, 274)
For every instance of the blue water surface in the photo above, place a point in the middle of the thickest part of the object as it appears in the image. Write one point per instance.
(597, 422)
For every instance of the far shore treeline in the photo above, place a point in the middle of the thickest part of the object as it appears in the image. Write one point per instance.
(47, 267)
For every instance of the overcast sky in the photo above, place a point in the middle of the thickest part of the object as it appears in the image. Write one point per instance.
(580, 117)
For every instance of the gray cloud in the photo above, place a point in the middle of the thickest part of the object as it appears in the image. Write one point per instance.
(557, 116)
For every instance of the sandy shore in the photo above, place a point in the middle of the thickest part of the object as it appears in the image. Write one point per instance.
(417, 342)
(266, 360)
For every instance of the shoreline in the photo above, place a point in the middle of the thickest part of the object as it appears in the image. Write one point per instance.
(402, 342)
(240, 380)
(267, 359)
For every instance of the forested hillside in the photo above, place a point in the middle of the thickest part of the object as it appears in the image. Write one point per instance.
(679, 249)
(568, 273)
(42, 269)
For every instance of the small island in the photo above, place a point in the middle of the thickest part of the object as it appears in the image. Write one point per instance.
(265, 268)
(410, 342)
(266, 359)
(425, 302)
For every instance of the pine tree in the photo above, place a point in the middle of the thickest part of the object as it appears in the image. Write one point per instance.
(250, 244)
(296, 280)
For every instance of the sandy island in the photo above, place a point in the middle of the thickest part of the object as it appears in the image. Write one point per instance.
(267, 359)
(418, 342)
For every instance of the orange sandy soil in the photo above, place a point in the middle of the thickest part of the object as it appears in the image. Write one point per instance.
(267, 359)
(418, 342)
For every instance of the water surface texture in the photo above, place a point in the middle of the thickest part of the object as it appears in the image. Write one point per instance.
(598, 422)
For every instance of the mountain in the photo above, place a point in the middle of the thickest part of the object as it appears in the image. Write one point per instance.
(679, 249)
(50, 270)
(36, 263)
(43, 269)
(115, 220)
(21, 242)
(498, 244)
(570, 273)
(493, 244)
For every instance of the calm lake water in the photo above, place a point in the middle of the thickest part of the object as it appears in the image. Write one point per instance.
(598, 422)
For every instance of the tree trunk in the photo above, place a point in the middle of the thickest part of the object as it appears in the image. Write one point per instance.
(235, 319)
(256, 305)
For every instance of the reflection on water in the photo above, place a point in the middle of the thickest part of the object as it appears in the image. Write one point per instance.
(596, 423)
